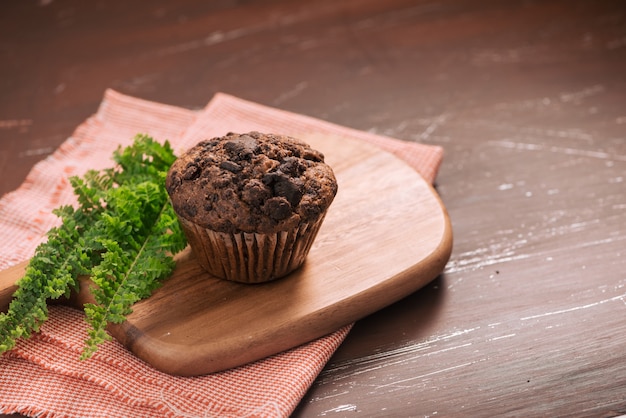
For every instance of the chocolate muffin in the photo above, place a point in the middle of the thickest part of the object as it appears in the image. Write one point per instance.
(251, 204)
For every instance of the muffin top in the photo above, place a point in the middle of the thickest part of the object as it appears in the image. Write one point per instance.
(251, 182)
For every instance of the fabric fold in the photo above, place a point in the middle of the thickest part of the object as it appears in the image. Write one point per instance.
(43, 376)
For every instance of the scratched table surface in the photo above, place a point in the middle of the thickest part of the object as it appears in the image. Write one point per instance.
(528, 99)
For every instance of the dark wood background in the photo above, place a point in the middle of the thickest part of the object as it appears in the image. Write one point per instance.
(528, 99)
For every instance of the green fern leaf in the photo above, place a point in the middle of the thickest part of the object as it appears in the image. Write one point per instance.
(123, 235)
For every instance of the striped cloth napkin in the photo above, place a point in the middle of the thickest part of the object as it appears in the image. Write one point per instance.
(42, 376)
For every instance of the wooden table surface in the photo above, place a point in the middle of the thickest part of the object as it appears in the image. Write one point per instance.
(528, 99)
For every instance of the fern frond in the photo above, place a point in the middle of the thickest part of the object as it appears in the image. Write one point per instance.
(123, 234)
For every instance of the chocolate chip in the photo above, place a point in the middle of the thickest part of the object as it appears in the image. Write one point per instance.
(255, 193)
(230, 166)
(192, 172)
(284, 186)
(270, 178)
(242, 148)
(208, 144)
(290, 190)
(277, 208)
(292, 167)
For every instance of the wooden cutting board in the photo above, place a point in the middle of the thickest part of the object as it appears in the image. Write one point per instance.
(386, 235)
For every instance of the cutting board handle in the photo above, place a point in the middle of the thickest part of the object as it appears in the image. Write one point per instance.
(8, 286)
(8, 280)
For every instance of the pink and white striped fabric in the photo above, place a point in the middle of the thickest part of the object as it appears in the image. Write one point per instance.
(42, 376)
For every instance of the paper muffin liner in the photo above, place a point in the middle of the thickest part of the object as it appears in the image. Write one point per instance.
(251, 257)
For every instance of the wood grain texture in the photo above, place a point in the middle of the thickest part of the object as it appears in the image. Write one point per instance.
(8, 278)
(526, 97)
(385, 236)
